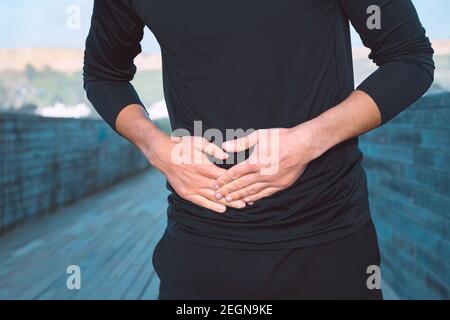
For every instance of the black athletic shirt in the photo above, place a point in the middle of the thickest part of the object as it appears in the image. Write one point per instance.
(263, 64)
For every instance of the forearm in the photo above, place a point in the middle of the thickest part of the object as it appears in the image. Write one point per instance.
(354, 116)
(134, 124)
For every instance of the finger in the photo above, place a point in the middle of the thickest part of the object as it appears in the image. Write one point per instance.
(262, 194)
(210, 195)
(238, 184)
(199, 181)
(208, 204)
(235, 172)
(207, 147)
(241, 144)
(244, 193)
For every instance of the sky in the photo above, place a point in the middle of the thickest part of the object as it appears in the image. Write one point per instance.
(31, 23)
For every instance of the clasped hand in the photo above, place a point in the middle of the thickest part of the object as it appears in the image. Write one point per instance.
(278, 159)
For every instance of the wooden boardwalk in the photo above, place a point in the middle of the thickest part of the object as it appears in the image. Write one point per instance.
(110, 236)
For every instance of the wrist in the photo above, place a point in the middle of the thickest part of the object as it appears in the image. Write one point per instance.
(150, 139)
(313, 139)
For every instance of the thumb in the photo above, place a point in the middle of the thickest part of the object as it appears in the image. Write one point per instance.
(241, 144)
(210, 148)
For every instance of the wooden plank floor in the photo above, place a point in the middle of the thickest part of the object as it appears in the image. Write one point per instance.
(110, 236)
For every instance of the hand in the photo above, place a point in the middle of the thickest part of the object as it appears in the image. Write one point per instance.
(184, 162)
(279, 158)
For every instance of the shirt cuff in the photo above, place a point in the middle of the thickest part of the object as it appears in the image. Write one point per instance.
(110, 97)
(395, 86)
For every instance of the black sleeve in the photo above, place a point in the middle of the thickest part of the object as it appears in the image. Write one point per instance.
(399, 48)
(111, 46)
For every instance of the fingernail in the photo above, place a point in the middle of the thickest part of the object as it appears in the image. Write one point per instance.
(247, 200)
(222, 209)
(218, 196)
(216, 186)
(250, 203)
(228, 198)
(242, 205)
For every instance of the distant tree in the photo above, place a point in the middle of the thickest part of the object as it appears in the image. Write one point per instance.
(30, 72)
(28, 107)
(2, 93)
(48, 71)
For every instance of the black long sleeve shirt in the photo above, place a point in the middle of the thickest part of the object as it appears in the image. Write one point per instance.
(263, 64)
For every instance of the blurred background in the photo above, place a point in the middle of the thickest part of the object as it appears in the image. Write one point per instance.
(64, 202)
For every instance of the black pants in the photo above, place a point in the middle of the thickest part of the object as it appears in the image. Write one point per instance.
(333, 270)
